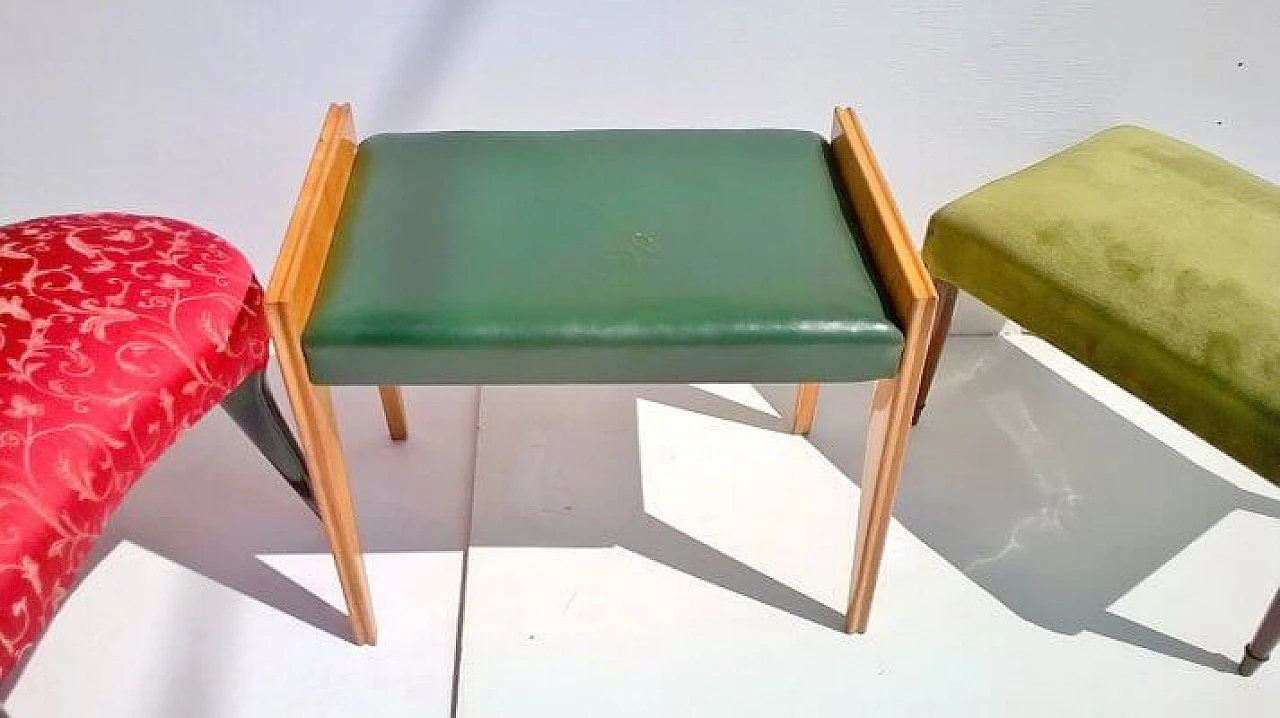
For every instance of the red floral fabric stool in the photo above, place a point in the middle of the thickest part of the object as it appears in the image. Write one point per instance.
(117, 333)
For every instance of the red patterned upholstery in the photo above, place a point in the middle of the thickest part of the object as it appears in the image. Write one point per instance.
(117, 333)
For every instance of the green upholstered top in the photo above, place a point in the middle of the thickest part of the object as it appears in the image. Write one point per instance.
(1156, 263)
(597, 256)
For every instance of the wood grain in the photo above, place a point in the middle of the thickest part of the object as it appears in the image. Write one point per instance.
(937, 338)
(300, 265)
(290, 296)
(911, 292)
(393, 408)
(806, 407)
(896, 259)
(892, 406)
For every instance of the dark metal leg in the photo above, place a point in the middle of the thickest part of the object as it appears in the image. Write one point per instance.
(255, 411)
(946, 308)
(1259, 649)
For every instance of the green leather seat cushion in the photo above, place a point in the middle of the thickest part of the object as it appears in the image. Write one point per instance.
(1153, 262)
(597, 256)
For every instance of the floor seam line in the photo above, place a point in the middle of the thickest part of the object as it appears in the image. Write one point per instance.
(466, 559)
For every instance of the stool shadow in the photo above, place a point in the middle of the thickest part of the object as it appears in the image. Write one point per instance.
(213, 505)
(1002, 480)
(561, 467)
(1047, 499)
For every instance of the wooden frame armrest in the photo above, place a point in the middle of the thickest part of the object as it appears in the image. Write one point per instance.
(296, 276)
(896, 259)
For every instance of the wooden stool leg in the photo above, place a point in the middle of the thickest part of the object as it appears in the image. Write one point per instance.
(942, 325)
(393, 408)
(886, 444)
(892, 409)
(1258, 651)
(915, 301)
(806, 407)
(318, 431)
(290, 296)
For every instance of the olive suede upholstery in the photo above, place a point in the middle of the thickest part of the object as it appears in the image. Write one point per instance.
(1153, 262)
(597, 256)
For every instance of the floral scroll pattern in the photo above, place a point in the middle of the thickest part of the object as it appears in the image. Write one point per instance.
(117, 333)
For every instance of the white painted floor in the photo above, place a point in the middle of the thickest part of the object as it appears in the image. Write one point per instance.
(666, 551)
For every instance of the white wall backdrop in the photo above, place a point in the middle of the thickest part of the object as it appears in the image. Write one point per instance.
(208, 110)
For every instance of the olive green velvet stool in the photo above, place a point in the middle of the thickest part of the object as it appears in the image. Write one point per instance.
(1154, 263)
(624, 256)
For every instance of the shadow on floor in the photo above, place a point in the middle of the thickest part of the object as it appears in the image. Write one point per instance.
(1049, 500)
(562, 468)
(416, 496)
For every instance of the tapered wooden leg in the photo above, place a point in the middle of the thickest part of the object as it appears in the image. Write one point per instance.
(289, 299)
(938, 337)
(318, 431)
(806, 407)
(879, 485)
(393, 407)
(915, 302)
(887, 431)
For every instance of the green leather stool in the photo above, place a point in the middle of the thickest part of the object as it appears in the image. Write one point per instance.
(1154, 263)
(626, 256)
